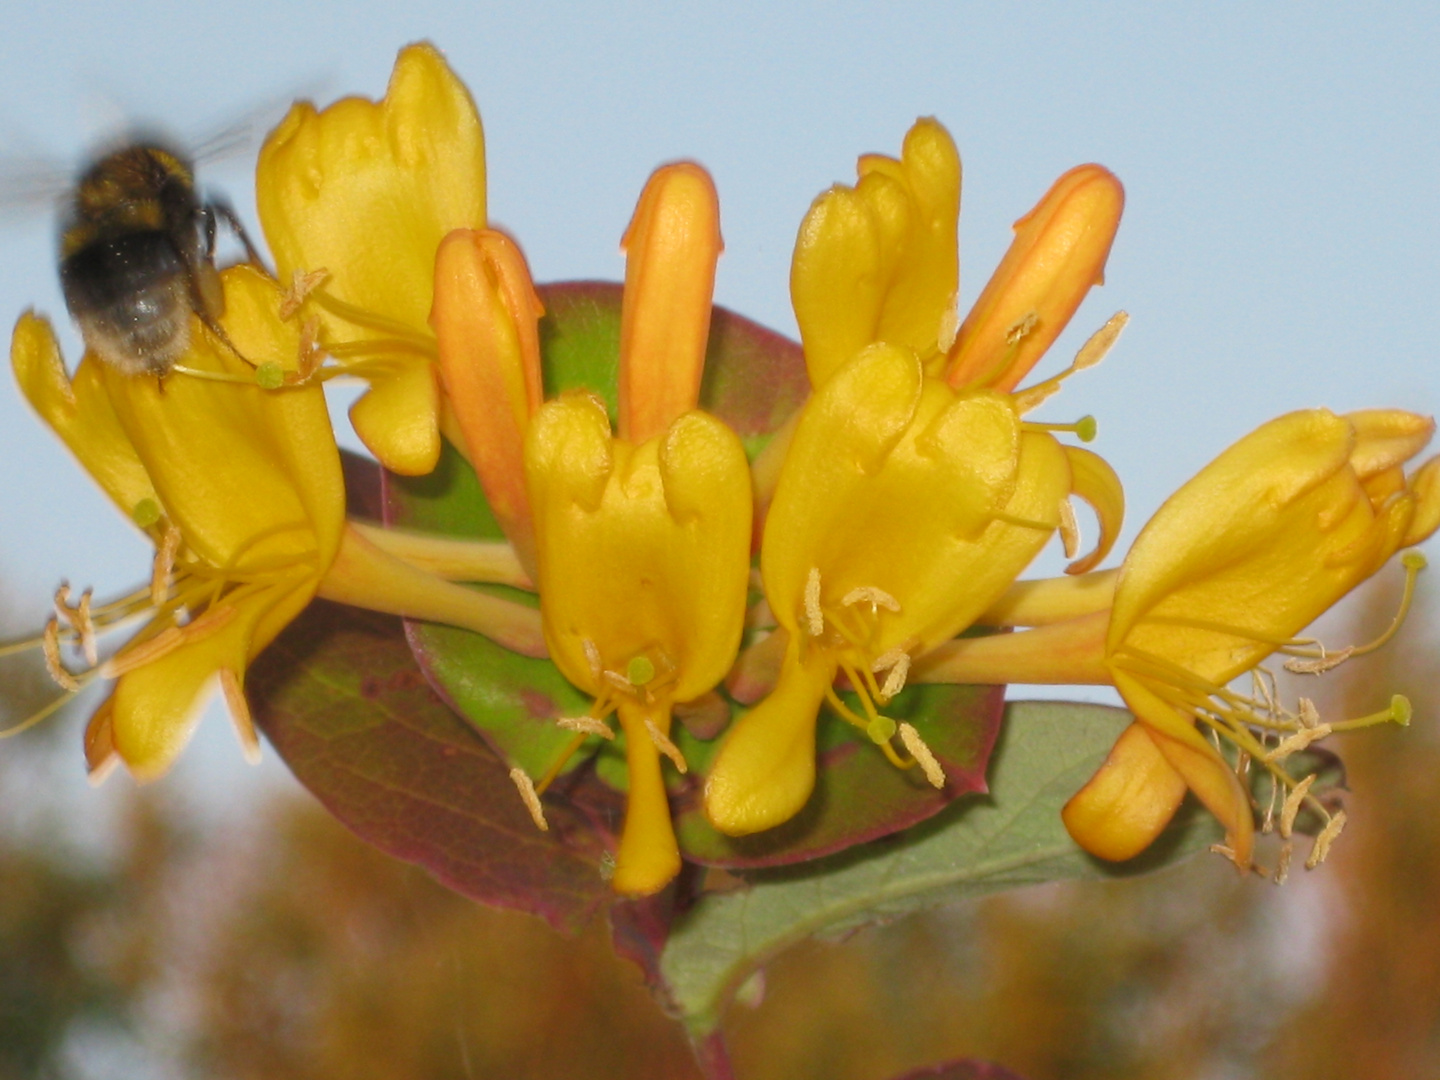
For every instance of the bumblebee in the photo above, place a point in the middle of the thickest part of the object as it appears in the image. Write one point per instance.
(137, 258)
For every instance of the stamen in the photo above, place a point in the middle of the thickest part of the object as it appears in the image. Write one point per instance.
(165, 553)
(1320, 664)
(1021, 328)
(1282, 871)
(240, 715)
(813, 615)
(1328, 836)
(899, 672)
(85, 626)
(615, 679)
(949, 323)
(1293, 802)
(302, 284)
(921, 753)
(867, 594)
(166, 642)
(1101, 342)
(529, 797)
(1309, 716)
(592, 657)
(588, 725)
(50, 646)
(665, 746)
(1293, 744)
(1069, 529)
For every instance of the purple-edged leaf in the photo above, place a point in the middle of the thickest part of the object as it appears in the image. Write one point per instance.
(339, 696)
(962, 1069)
(754, 380)
(859, 795)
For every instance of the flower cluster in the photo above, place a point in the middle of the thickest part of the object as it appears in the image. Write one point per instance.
(891, 516)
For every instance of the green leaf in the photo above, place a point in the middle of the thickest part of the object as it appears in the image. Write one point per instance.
(978, 845)
(340, 698)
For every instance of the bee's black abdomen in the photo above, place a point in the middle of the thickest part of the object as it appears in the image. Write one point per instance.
(130, 297)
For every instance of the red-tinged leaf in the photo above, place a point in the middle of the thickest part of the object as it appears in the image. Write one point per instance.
(339, 696)
(754, 380)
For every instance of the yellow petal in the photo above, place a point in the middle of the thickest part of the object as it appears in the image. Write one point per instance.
(648, 856)
(1095, 481)
(1425, 483)
(485, 320)
(765, 769)
(879, 262)
(367, 190)
(640, 550)
(397, 418)
(79, 412)
(672, 246)
(1189, 754)
(249, 475)
(1128, 802)
(894, 482)
(1254, 548)
(1385, 438)
(155, 707)
(1058, 254)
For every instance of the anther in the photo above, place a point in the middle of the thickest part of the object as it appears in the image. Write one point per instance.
(240, 715)
(526, 788)
(868, 594)
(588, 725)
(921, 753)
(1282, 871)
(85, 627)
(1293, 744)
(1021, 328)
(302, 284)
(618, 681)
(1069, 529)
(1321, 664)
(1309, 715)
(899, 671)
(166, 642)
(165, 554)
(1328, 836)
(1100, 342)
(50, 647)
(665, 746)
(813, 616)
(592, 657)
(1293, 802)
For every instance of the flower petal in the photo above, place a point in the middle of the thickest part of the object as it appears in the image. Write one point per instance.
(1128, 802)
(648, 856)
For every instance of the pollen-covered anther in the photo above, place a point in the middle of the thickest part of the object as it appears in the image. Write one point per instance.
(869, 594)
(1069, 529)
(665, 746)
(922, 755)
(167, 641)
(814, 617)
(1282, 870)
(617, 680)
(1100, 343)
(240, 715)
(1293, 744)
(896, 663)
(1320, 664)
(85, 626)
(592, 657)
(586, 725)
(526, 787)
(1309, 715)
(1328, 835)
(949, 323)
(165, 553)
(50, 647)
(302, 284)
(309, 355)
(1022, 328)
(1293, 802)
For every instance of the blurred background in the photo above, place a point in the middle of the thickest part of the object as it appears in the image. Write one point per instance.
(1278, 251)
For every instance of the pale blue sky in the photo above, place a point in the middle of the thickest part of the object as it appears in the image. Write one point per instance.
(1279, 247)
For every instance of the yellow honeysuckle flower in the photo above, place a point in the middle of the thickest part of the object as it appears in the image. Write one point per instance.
(639, 541)
(903, 510)
(239, 487)
(879, 262)
(365, 191)
(1229, 570)
(908, 499)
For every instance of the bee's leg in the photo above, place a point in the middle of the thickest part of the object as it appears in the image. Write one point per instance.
(217, 209)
